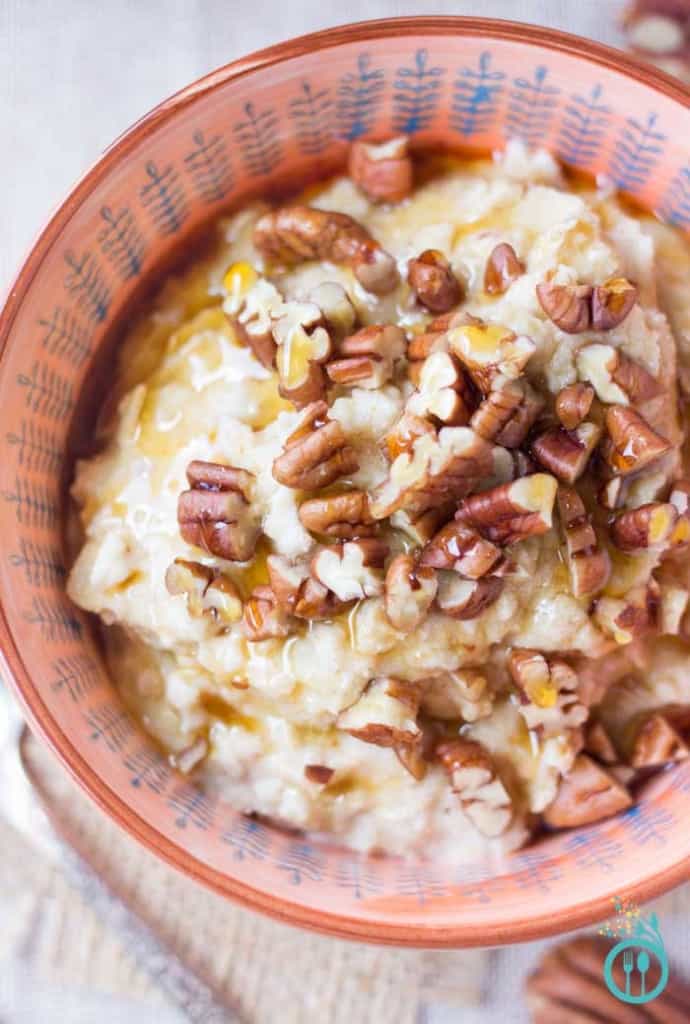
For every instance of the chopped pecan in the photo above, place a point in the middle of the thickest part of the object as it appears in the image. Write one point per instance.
(432, 280)
(512, 511)
(632, 443)
(411, 757)
(617, 379)
(304, 345)
(462, 549)
(410, 592)
(548, 690)
(367, 359)
(444, 392)
(421, 526)
(502, 268)
(383, 171)
(626, 619)
(474, 778)
(657, 742)
(611, 303)
(432, 338)
(352, 570)
(657, 29)
(338, 313)
(461, 694)
(507, 413)
(316, 601)
(489, 350)
(650, 525)
(216, 514)
(385, 714)
(611, 493)
(296, 234)
(568, 306)
(207, 591)
(339, 515)
(316, 454)
(565, 453)
(589, 564)
(286, 580)
(252, 305)
(680, 499)
(673, 604)
(467, 598)
(187, 760)
(436, 470)
(573, 404)
(404, 434)
(588, 793)
(318, 773)
(599, 744)
(263, 617)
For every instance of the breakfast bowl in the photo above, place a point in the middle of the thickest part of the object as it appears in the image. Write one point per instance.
(261, 127)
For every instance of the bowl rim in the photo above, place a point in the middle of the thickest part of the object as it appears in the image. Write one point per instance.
(465, 933)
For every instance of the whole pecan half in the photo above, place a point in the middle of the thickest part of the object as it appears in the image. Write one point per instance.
(573, 404)
(648, 526)
(296, 234)
(207, 591)
(410, 590)
(383, 171)
(632, 443)
(565, 453)
(433, 282)
(443, 392)
(316, 453)
(473, 776)
(339, 515)
(589, 564)
(587, 793)
(568, 306)
(467, 598)
(462, 549)
(368, 358)
(513, 511)
(502, 268)
(611, 303)
(617, 379)
(548, 690)
(385, 714)
(507, 413)
(216, 514)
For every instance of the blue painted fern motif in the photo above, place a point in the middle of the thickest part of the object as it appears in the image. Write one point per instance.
(148, 768)
(648, 823)
(192, 806)
(258, 139)
(675, 206)
(636, 153)
(594, 849)
(476, 95)
(248, 838)
(301, 860)
(478, 883)
(38, 450)
(57, 622)
(531, 107)
(85, 282)
(65, 337)
(359, 99)
(419, 882)
(121, 242)
(417, 94)
(208, 165)
(75, 675)
(164, 199)
(312, 113)
(110, 724)
(359, 875)
(47, 392)
(34, 504)
(536, 871)
(41, 563)
(585, 124)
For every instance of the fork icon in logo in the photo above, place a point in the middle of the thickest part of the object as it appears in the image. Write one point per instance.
(628, 963)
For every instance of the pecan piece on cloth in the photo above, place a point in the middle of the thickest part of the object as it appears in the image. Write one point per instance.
(631, 444)
(631, 617)
(657, 741)
(385, 714)
(617, 379)
(368, 358)
(263, 617)
(460, 548)
(461, 694)
(568, 306)
(443, 392)
(502, 268)
(568, 987)
(573, 404)
(433, 282)
(383, 171)
(611, 303)
(207, 591)
(316, 454)
(352, 570)
(648, 526)
(489, 350)
(565, 453)
(216, 514)
(297, 234)
(587, 793)
(345, 515)
(410, 590)
(588, 562)
(507, 413)
(467, 598)
(548, 690)
(473, 776)
(513, 511)
(438, 469)
(303, 346)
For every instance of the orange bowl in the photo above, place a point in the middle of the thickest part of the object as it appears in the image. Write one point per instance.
(265, 123)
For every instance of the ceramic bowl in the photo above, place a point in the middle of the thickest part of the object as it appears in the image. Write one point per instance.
(270, 121)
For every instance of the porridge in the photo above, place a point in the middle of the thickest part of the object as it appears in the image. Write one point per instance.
(388, 532)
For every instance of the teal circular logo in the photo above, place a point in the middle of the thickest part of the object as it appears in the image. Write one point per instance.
(636, 956)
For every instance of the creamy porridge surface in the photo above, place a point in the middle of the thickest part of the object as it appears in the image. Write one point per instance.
(431, 590)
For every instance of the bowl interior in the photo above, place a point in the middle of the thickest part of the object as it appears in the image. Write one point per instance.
(259, 126)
